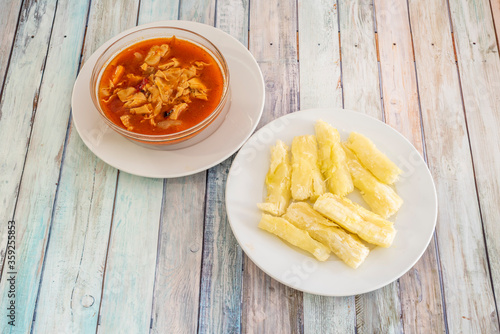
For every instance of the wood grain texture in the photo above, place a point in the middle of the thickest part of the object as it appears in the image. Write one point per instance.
(449, 160)
(319, 50)
(221, 274)
(401, 110)
(320, 87)
(495, 10)
(378, 311)
(399, 85)
(221, 280)
(128, 287)
(9, 16)
(82, 211)
(178, 268)
(269, 306)
(360, 74)
(18, 112)
(40, 177)
(479, 65)
(176, 292)
(29, 52)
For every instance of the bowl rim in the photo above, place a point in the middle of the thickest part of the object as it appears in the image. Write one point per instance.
(176, 137)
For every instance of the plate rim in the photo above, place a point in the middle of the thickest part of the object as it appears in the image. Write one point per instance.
(299, 288)
(186, 25)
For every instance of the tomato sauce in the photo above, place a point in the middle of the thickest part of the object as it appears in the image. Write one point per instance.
(131, 59)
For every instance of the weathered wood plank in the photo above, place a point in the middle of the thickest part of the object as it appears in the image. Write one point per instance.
(360, 74)
(176, 292)
(399, 85)
(399, 90)
(479, 65)
(178, 268)
(73, 273)
(221, 280)
(269, 306)
(320, 86)
(319, 50)
(151, 11)
(8, 23)
(18, 110)
(379, 310)
(134, 234)
(495, 9)
(29, 52)
(221, 276)
(449, 160)
(130, 265)
(40, 183)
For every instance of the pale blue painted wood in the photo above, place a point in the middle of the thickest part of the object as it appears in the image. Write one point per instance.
(18, 105)
(151, 11)
(221, 276)
(18, 101)
(73, 273)
(221, 280)
(39, 183)
(130, 266)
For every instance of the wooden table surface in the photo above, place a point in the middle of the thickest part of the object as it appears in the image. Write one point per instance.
(97, 249)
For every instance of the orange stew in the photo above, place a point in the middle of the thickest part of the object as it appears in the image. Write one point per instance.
(160, 86)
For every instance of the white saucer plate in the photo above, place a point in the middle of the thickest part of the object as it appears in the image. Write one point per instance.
(248, 95)
(291, 266)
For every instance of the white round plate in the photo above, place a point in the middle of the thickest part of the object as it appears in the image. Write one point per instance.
(414, 222)
(247, 85)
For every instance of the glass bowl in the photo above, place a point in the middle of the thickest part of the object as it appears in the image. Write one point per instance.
(180, 139)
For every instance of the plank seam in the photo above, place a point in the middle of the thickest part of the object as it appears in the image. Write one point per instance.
(424, 152)
(49, 233)
(202, 249)
(158, 242)
(200, 287)
(10, 56)
(401, 315)
(494, 27)
(107, 252)
(33, 114)
(474, 171)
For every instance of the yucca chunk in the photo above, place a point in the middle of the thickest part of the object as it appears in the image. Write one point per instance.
(380, 197)
(278, 180)
(333, 207)
(373, 159)
(332, 159)
(307, 181)
(293, 235)
(346, 246)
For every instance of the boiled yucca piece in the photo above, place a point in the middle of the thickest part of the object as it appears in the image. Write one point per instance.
(278, 180)
(307, 181)
(367, 215)
(335, 208)
(295, 236)
(372, 159)
(380, 197)
(332, 159)
(347, 247)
